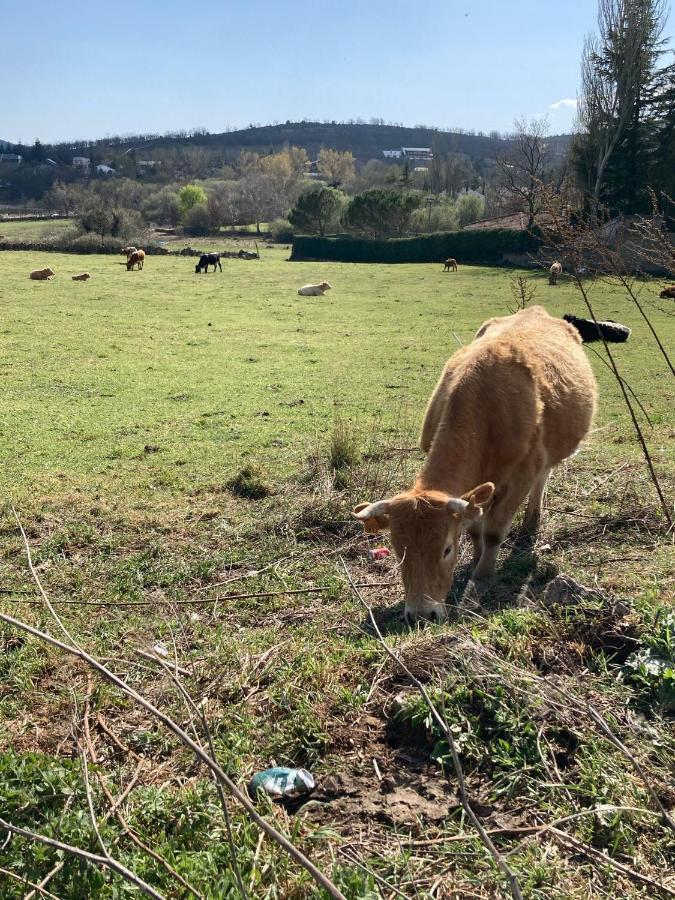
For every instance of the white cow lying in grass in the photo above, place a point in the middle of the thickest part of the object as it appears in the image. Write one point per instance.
(314, 290)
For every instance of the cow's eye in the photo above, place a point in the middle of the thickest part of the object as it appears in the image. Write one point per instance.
(447, 551)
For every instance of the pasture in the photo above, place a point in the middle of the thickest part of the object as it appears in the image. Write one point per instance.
(184, 452)
(33, 230)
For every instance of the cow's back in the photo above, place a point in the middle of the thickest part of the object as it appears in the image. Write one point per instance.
(522, 388)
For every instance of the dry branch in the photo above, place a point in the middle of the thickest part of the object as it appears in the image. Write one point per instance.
(269, 829)
(501, 863)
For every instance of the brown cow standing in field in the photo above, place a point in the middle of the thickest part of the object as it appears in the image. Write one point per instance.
(42, 274)
(135, 258)
(450, 263)
(508, 407)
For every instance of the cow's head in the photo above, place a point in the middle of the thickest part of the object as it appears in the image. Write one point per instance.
(325, 286)
(425, 530)
(49, 272)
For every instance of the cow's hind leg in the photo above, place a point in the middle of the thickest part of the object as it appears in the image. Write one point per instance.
(532, 516)
(496, 524)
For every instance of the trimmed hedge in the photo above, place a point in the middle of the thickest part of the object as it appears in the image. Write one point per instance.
(475, 246)
(75, 246)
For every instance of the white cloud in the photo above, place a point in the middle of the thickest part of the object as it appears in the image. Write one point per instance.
(561, 104)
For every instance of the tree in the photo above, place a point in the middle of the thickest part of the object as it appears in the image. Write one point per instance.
(62, 198)
(469, 208)
(336, 167)
(316, 210)
(620, 85)
(191, 195)
(524, 168)
(378, 213)
(163, 207)
(198, 220)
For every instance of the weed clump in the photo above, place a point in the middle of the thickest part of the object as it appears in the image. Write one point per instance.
(343, 451)
(249, 483)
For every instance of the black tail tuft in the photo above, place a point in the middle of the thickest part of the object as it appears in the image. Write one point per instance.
(612, 332)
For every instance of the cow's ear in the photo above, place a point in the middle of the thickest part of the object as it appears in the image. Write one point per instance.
(470, 505)
(373, 516)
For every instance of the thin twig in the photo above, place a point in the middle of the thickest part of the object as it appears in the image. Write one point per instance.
(489, 845)
(594, 854)
(45, 881)
(629, 405)
(201, 601)
(107, 862)
(31, 884)
(609, 734)
(633, 394)
(221, 794)
(276, 835)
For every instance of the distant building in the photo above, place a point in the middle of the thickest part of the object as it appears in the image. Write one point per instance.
(147, 166)
(417, 154)
(411, 154)
(10, 159)
(81, 162)
(105, 170)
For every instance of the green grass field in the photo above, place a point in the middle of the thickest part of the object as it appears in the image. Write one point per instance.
(129, 405)
(35, 230)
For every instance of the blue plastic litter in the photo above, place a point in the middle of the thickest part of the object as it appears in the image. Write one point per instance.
(281, 782)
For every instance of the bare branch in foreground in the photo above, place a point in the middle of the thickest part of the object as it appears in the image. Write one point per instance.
(485, 838)
(217, 772)
(175, 729)
(35, 887)
(106, 861)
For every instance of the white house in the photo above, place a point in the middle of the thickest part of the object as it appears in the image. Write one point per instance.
(11, 159)
(392, 154)
(418, 153)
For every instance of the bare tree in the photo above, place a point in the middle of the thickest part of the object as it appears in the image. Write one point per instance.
(617, 68)
(525, 167)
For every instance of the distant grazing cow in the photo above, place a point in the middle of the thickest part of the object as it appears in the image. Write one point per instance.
(554, 272)
(668, 293)
(42, 274)
(135, 258)
(314, 290)
(206, 260)
(83, 276)
(128, 251)
(450, 263)
(508, 408)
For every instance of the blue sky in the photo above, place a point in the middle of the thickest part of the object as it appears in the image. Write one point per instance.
(87, 70)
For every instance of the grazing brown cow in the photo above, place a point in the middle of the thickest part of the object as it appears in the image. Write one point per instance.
(135, 258)
(450, 263)
(42, 274)
(508, 407)
(668, 293)
(83, 276)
